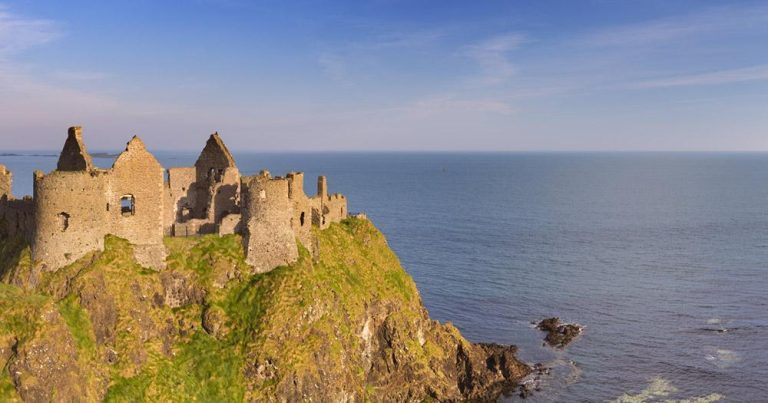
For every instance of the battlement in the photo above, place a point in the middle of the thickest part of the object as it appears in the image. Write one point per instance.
(75, 206)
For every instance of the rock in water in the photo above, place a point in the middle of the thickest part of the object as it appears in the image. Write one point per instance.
(558, 335)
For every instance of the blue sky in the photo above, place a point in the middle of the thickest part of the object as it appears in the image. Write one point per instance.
(387, 74)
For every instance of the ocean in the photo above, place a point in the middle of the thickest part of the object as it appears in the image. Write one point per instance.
(662, 257)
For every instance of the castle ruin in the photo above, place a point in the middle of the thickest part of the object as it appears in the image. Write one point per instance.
(75, 206)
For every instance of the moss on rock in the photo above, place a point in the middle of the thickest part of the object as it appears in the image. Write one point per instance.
(346, 324)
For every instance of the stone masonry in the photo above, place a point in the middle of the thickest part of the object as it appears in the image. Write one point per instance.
(75, 206)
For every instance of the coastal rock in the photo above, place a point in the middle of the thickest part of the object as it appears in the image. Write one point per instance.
(343, 323)
(558, 335)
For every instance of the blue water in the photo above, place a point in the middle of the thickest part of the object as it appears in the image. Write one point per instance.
(662, 256)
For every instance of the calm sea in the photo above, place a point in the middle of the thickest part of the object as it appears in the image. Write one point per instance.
(663, 257)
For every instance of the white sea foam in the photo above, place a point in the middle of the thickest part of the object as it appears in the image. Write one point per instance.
(660, 387)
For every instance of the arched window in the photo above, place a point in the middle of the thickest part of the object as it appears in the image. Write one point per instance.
(127, 205)
(301, 219)
(63, 221)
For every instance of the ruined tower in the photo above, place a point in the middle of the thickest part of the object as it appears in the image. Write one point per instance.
(268, 238)
(70, 207)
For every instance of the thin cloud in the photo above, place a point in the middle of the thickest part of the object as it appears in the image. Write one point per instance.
(19, 33)
(80, 75)
(406, 39)
(449, 104)
(709, 21)
(492, 57)
(755, 73)
(335, 67)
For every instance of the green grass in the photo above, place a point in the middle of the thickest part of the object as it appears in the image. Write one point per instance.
(301, 318)
(79, 323)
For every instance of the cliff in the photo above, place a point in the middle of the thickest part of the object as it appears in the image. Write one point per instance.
(346, 325)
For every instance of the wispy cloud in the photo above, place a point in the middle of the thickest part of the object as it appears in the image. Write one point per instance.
(664, 30)
(413, 39)
(18, 33)
(451, 104)
(755, 73)
(80, 75)
(335, 67)
(492, 55)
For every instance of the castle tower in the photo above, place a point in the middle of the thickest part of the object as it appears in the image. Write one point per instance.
(74, 156)
(269, 240)
(70, 207)
(70, 216)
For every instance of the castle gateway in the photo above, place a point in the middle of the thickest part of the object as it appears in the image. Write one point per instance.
(76, 205)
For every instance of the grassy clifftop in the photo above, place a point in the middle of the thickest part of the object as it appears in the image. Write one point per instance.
(347, 324)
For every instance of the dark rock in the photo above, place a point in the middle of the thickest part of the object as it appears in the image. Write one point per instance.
(558, 335)
(100, 306)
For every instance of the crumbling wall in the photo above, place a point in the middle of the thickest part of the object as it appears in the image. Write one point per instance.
(19, 217)
(224, 195)
(74, 156)
(182, 195)
(268, 240)
(217, 182)
(301, 221)
(70, 216)
(6, 182)
(327, 209)
(335, 208)
(230, 224)
(136, 192)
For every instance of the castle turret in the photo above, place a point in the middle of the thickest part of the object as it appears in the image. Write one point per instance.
(269, 240)
(70, 209)
(74, 156)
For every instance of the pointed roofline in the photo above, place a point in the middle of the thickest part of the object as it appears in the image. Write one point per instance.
(74, 155)
(216, 145)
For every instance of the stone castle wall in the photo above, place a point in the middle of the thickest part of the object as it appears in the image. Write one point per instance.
(181, 196)
(76, 205)
(18, 215)
(301, 219)
(136, 190)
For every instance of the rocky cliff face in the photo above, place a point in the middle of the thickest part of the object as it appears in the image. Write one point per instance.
(347, 325)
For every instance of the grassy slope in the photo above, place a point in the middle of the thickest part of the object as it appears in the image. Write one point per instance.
(281, 318)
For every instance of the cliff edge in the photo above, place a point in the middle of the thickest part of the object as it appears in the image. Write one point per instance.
(346, 324)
